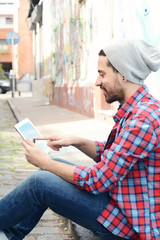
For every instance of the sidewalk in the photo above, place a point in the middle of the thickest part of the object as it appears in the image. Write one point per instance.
(14, 169)
(52, 119)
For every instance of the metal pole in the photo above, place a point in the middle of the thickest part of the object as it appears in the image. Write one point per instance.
(13, 79)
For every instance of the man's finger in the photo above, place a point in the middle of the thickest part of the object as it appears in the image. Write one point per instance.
(42, 138)
(29, 142)
(25, 145)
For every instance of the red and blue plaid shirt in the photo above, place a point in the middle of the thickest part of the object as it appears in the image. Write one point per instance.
(128, 167)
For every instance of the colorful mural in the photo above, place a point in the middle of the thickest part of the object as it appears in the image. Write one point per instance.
(76, 39)
(72, 35)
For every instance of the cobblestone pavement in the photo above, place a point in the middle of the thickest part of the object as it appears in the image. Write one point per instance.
(14, 168)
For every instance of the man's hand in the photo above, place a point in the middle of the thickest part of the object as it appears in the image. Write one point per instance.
(35, 155)
(57, 141)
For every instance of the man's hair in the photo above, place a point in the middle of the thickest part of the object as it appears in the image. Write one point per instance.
(109, 64)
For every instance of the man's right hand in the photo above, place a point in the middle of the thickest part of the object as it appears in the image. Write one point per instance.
(57, 141)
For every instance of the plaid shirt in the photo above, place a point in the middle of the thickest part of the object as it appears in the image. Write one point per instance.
(128, 167)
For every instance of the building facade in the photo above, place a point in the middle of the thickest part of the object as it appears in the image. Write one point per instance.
(13, 17)
(67, 36)
(25, 45)
(6, 25)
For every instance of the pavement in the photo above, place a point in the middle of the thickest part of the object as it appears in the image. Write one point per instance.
(14, 169)
(53, 119)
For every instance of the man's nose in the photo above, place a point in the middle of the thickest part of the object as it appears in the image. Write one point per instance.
(98, 82)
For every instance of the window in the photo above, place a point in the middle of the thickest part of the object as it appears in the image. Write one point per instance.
(3, 45)
(11, 2)
(9, 20)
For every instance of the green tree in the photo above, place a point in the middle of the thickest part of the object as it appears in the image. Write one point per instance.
(2, 75)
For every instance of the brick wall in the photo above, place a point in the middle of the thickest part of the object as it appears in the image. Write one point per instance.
(5, 56)
(25, 52)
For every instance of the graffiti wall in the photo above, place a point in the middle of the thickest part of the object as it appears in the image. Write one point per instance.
(72, 35)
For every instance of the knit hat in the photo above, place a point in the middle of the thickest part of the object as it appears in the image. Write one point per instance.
(134, 59)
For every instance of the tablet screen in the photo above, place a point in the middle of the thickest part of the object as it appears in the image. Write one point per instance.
(28, 131)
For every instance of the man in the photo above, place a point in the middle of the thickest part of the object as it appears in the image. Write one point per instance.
(119, 196)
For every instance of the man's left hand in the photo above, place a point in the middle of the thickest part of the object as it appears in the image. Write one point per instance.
(35, 155)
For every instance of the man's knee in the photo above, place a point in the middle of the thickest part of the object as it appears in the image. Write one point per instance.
(44, 179)
(36, 178)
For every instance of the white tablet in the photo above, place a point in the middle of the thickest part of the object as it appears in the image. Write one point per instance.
(28, 131)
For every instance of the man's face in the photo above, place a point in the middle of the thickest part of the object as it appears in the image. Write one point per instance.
(109, 81)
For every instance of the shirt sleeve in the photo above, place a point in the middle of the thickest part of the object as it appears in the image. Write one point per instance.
(135, 141)
(99, 149)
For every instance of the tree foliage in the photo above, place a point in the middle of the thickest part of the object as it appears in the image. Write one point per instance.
(2, 75)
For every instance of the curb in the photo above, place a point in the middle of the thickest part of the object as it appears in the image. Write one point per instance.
(80, 233)
(15, 112)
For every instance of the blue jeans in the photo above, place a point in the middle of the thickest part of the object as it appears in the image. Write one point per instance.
(22, 208)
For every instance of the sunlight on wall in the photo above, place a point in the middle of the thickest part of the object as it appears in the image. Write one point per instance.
(139, 19)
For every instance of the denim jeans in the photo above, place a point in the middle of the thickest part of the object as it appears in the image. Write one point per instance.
(22, 208)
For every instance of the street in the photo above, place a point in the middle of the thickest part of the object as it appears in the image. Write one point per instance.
(14, 168)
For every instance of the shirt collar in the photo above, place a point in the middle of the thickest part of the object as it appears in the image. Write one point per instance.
(131, 102)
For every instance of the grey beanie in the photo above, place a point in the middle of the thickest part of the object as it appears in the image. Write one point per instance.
(133, 58)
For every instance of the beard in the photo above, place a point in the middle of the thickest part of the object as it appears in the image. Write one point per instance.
(111, 96)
